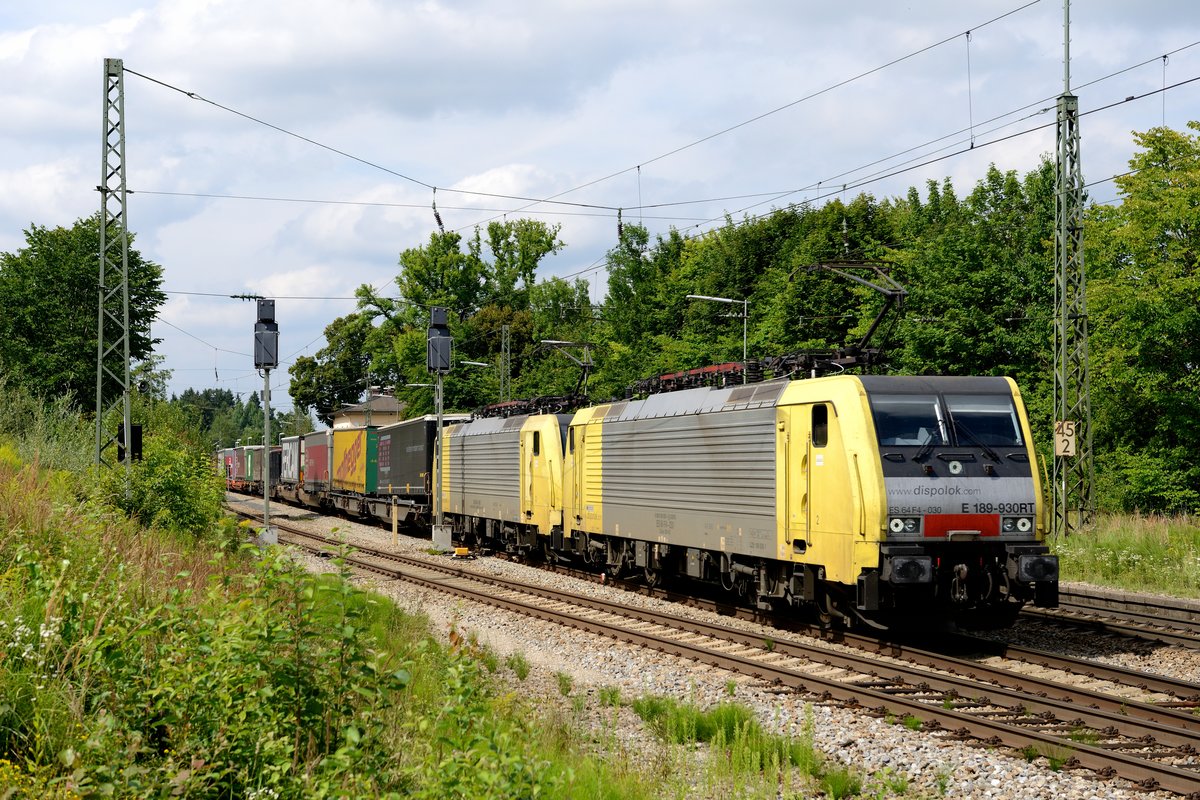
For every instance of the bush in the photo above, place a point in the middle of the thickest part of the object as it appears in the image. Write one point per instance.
(1149, 481)
(52, 434)
(174, 487)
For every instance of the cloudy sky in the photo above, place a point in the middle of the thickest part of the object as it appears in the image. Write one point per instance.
(678, 111)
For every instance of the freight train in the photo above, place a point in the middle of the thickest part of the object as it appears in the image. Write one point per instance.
(361, 471)
(878, 500)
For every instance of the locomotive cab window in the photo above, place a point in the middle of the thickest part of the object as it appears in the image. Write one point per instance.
(820, 425)
(984, 420)
(908, 419)
(570, 440)
(537, 443)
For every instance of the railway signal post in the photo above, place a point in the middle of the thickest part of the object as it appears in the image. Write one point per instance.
(439, 346)
(266, 356)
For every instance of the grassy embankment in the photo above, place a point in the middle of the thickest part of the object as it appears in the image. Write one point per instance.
(1136, 553)
(136, 663)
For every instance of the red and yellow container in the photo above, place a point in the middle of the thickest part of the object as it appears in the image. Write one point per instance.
(355, 462)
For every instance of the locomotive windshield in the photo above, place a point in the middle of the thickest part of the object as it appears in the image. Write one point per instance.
(964, 420)
(908, 419)
(984, 420)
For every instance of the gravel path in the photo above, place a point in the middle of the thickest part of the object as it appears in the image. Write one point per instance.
(887, 755)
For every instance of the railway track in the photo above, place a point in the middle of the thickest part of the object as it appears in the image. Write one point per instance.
(1167, 620)
(1151, 740)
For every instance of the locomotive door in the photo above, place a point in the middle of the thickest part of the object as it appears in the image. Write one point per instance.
(820, 497)
(537, 499)
(582, 478)
(526, 474)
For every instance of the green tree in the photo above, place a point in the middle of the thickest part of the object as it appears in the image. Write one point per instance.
(517, 246)
(441, 274)
(337, 374)
(48, 328)
(1144, 307)
(980, 279)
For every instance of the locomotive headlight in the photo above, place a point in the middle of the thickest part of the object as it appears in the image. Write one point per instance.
(1009, 525)
(904, 524)
(896, 525)
(1024, 524)
(910, 525)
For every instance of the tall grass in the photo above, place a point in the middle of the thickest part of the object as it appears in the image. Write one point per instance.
(743, 759)
(50, 433)
(1135, 552)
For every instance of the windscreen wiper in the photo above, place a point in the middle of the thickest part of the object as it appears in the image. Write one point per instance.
(987, 451)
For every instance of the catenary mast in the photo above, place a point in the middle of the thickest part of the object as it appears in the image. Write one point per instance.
(1073, 466)
(112, 334)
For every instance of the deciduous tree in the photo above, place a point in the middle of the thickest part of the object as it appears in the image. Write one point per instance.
(48, 328)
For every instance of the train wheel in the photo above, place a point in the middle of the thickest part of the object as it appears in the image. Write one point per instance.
(653, 577)
(824, 618)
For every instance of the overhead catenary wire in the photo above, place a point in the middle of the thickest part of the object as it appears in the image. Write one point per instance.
(610, 211)
(908, 167)
(600, 264)
(554, 198)
(351, 156)
(772, 112)
(977, 146)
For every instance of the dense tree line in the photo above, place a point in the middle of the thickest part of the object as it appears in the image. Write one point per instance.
(224, 419)
(978, 269)
(48, 334)
(48, 328)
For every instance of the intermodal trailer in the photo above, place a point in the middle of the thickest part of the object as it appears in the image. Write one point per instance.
(317, 449)
(291, 468)
(354, 467)
(406, 451)
(225, 459)
(404, 474)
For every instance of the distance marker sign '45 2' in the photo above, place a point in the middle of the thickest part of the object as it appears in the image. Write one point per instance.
(1064, 437)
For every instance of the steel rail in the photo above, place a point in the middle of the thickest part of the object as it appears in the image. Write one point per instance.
(1114, 627)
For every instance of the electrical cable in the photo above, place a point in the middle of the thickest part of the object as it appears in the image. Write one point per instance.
(198, 339)
(943, 157)
(553, 198)
(351, 156)
(640, 207)
(773, 111)
(376, 204)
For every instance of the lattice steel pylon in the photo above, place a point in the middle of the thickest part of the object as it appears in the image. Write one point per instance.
(112, 333)
(1074, 472)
